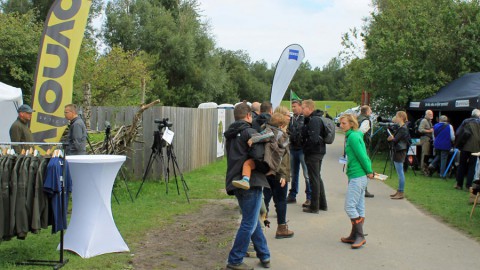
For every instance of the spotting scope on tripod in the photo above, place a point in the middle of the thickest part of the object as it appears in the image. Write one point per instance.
(167, 161)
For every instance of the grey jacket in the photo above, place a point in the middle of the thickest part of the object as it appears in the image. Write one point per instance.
(77, 137)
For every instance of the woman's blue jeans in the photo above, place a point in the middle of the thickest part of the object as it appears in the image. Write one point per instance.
(250, 202)
(401, 176)
(355, 198)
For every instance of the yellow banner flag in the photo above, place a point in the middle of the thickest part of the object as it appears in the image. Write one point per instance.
(59, 47)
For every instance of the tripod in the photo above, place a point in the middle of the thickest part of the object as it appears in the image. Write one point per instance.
(381, 142)
(109, 145)
(173, 158)
(157, 153)
(378, 145)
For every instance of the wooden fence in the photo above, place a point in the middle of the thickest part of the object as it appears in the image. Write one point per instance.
(195, 140)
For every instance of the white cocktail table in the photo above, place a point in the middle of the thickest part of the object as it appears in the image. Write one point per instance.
(92, 230)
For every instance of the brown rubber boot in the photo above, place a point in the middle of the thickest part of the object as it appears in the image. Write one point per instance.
(283, 232)
(351, 238)
(394, 194)
(399, 196)
(359, 236)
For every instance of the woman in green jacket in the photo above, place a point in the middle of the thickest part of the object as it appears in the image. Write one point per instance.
(359, 170)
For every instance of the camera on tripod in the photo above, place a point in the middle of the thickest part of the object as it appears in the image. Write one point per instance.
(108, 127)
(387, 122)
(163, 123)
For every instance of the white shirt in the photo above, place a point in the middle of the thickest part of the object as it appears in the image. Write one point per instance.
(365, 126)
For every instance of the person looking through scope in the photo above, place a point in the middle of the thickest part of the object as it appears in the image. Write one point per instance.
(401, 141)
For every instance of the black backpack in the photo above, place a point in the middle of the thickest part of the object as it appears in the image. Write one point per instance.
(416, 126)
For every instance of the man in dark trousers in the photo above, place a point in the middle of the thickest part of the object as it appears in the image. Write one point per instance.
(250, 200)
(468, 141)
(77, 132)
(296, 154)
(19, 131)
(314, 149)
(365, 126)
(426, 129)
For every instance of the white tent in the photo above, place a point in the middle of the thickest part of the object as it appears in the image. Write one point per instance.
(10, 99)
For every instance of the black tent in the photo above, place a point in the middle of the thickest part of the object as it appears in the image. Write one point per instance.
(456, 100)
(462, 94)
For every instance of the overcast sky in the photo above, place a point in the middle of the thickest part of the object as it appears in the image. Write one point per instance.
(263, 28)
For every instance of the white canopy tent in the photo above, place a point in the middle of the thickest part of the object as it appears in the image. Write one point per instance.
(10, 99)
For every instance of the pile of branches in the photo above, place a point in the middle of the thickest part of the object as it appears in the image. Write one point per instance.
(122, 139)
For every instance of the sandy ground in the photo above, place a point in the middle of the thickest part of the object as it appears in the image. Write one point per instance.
(200, 240)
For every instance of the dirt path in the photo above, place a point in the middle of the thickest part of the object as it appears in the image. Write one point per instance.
(200, 240)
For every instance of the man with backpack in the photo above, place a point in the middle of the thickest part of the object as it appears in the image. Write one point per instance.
(444, 136)
(314, 136)
(468, 141)
(425, 130)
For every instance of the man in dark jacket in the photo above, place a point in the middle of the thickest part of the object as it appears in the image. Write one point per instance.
(19, 131)
(255, 109)
(314, 149)
(77, 132)
(468, 141)
(365, 126)
(296, 154)
(250, 201)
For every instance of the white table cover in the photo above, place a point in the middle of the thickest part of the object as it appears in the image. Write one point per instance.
(92, 230)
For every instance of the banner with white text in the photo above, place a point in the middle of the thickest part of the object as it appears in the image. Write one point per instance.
(53, 87)
(287, 65)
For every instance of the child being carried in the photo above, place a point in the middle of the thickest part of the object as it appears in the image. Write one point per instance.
(276, 141)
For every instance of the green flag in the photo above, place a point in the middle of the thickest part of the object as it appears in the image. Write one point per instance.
(294, 96)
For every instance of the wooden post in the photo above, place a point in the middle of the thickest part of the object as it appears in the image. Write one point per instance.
(143, 90)
(87, 96)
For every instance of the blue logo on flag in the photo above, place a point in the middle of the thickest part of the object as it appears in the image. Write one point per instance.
(328, 106)
(293, 54)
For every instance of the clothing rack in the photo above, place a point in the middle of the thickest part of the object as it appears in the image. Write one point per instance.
(61, 261)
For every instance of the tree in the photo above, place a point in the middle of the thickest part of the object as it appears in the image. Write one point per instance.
(413, 47)
(19, 39)
(116, 79)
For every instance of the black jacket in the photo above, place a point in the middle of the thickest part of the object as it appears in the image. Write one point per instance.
(401, 140)
(468, 135)
(295, 131)
(238, 152)
(312, 130)
(262, 119)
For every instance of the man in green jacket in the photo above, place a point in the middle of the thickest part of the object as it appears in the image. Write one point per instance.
(19, 131)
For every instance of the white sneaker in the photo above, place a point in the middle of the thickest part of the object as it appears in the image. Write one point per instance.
(243, 184)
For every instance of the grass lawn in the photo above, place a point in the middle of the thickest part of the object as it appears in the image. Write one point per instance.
(436, 196)
(152, 209)
(335, 106)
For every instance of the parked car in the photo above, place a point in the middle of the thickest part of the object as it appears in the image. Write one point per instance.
(354, 111)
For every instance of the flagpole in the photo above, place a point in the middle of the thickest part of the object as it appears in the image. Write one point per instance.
(291, 113)
(290, 100)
